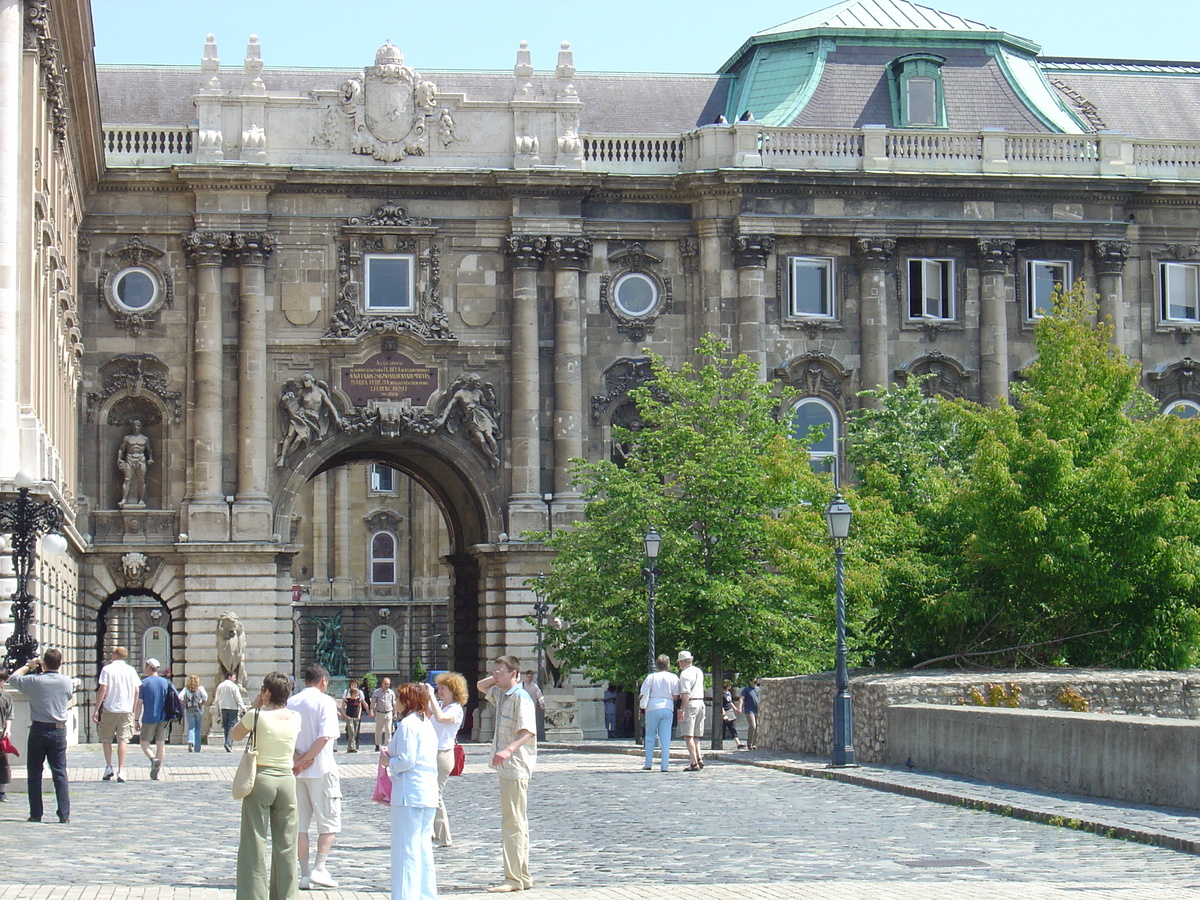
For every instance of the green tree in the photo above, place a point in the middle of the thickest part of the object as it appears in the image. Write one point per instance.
(713, 468)
(1063, 529)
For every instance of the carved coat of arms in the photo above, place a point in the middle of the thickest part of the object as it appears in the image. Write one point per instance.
(390, 108)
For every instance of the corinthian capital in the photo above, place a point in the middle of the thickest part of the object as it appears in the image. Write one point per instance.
(570, 252)
(1111, 256)
(751, 250)
(525, 251)
(874, 252)
(252, 247)
(206, 248)
(995, 255)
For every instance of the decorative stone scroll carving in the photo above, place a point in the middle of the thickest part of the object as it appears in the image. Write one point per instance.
(1110, 257)
(750, 251)
(1177, 381)
(619, 379)
(874, 252)
(206, 248)
(471, 403)
(525, 251)
(307, 412)
(389, 215)
(136, 253)
(252, 248)
(382, 520)
(390, 108)
(133, 376)
(995, 255)
(570, 252)
(815, 374)
(949, 378)
(38, 38)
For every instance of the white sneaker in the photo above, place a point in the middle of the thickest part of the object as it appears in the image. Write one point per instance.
(321, 878)
(304, 882)
(121, 775)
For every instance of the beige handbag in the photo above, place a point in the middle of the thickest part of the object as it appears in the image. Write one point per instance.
(243, 778)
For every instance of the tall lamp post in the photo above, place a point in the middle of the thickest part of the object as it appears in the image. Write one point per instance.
(541, 609)
(837, 516)
(650, 543)
(27, 519)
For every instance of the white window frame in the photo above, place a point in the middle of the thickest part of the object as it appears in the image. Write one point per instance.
(378, 478)
(820, 459)
(929, 116)
(1169, 409)
(156, 291)
(374, 560)
(409, 283)
(626, 277)
(1032, 309)
(1171, 274)
(827, 301)
(931, 269)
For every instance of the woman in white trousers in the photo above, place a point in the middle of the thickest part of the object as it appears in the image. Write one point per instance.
(411, 759)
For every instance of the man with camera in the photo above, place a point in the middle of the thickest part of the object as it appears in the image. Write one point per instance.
(49, 692)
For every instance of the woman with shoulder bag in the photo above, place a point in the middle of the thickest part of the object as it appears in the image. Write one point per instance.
(194, 697)
(446, 711)
(411, 760)
(272, 802)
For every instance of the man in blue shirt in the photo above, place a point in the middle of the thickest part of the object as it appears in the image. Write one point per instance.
(49, 693)
(149, 707)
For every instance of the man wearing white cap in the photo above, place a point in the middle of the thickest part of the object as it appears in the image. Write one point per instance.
(149, 708)
(691, 709)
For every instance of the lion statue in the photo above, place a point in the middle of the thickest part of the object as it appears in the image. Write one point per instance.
(231, 648)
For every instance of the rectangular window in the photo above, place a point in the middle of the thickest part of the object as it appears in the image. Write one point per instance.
(383, 572)
(1041, 280)
(383, 479)
(810, 287)
(921, 101)
(1180, 286)
(389, 282)
(931, 289)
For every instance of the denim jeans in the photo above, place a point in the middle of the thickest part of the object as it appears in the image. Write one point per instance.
(658, 728)
(47, 744)
(229, 718)
(194, 718)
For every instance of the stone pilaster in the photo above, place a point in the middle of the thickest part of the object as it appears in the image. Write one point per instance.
(207, 516)
(252, 506)
(874, 258)
(995, 260)
(10, 215)
(1110, 259)
(526, 511)
(569, 255)
(750, 253)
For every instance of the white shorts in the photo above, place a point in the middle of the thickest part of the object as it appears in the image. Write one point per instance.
(693, 719)
(319, 801)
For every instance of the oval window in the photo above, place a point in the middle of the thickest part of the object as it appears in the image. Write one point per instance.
(1184, 409)
(635, 294)
(135, 289)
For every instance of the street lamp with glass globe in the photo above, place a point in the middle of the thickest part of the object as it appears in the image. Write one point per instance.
(837, 516)
(650, 544)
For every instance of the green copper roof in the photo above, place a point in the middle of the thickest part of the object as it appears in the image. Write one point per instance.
(778, 82)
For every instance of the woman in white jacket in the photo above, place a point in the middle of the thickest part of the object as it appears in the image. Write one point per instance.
(411, 759)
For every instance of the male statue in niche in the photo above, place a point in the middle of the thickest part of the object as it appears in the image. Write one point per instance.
(134, 456)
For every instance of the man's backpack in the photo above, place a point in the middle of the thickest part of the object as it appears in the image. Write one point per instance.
(172, 705)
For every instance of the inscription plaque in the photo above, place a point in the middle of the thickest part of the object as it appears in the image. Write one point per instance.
(389, 376)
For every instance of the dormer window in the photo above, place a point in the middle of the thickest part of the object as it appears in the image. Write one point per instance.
(915, 83)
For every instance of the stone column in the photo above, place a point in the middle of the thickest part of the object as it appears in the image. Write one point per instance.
(711, 266)
(252, 506)
(207, 516)
(1110, 265)
(570, 257)
(874, 257)
(343, 576)
(750, 252)
(994, 259)
(10, 218)
(526, 511)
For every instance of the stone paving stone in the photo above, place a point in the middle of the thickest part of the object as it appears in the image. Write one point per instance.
(602, 829)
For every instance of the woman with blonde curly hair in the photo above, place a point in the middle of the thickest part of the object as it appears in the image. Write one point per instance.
(194, 697)
(446, 712)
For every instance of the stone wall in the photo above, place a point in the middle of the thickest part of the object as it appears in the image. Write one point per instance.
(797, 713)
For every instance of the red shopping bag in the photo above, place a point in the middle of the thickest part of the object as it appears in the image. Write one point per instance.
(383, 786)
(460, 760)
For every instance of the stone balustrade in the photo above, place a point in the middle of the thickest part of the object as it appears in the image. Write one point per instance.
(872, 148)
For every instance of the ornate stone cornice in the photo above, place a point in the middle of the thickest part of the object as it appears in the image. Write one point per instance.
(37, 38)
(874, 252)
(206, 248)
(815, 374)
(133, 375)
(382, 520)
(1111, 256)
(252, 248)
(525, 251)
(751, 250)
(570, 252)
(995, 254)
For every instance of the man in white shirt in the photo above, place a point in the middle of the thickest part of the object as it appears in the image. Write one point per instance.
(318, 784)
(691, 709)
(383, 705)
(229, 704)
(115, 699)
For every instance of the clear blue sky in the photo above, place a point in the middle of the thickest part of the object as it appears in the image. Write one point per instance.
(606, 35)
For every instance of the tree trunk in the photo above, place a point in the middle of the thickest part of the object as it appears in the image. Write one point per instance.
(717, 728)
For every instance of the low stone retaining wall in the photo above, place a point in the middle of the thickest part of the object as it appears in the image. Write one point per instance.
(796, 713)
(1137, 759)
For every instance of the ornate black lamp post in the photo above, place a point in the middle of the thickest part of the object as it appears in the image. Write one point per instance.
(650, 543)
(838, 515)
(26, 519)
(541, 609)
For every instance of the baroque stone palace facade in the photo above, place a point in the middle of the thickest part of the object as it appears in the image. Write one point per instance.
(333, 336)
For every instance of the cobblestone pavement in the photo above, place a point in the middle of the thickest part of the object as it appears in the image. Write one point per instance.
(602, 829)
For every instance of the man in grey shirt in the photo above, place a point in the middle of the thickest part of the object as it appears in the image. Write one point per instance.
(49, 692)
